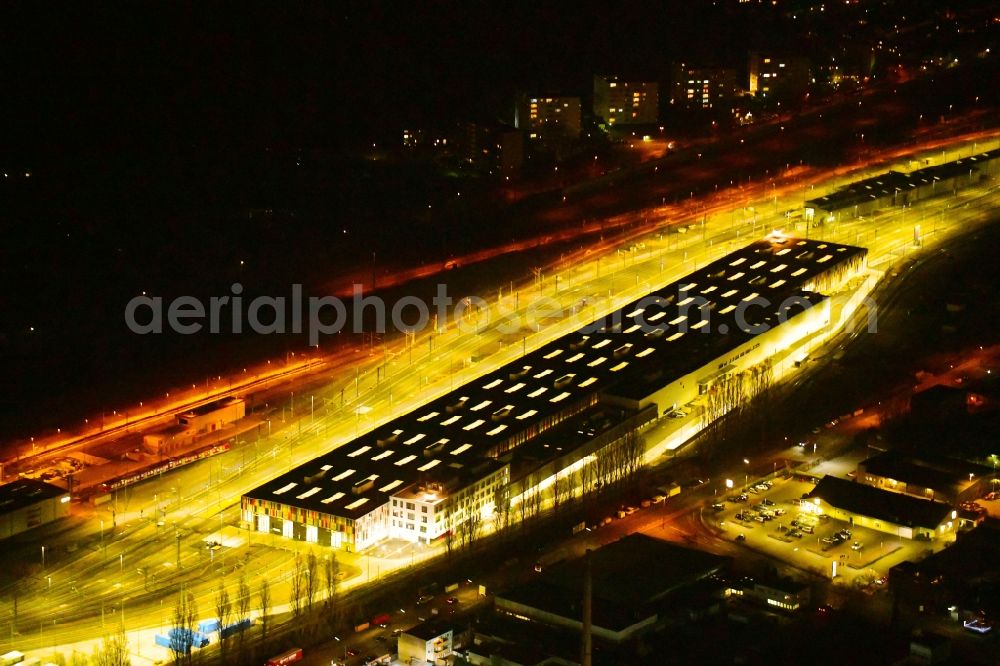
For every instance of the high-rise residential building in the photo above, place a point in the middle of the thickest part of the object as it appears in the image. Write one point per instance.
(702, 87)
(621, 102)
(778, 76)
(544, 116)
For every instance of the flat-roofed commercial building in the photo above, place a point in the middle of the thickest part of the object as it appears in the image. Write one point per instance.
(624, 604)
(895, 188)
(893, 513)
(571, 403)
(429, 642)
(213, 416)
(27, 503)
(948, 480)
(622, 102)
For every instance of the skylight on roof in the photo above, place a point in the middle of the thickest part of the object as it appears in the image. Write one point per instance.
(587, 382)
(500, 428)
(416, 438)
(475, 424)
(332, 498)
(516, 387)
(552, 354)
(645, 352)
(429, 465)
(343, 475)
(603, 343)
(575, 357)
(484, 403)
(527, 415)
(537, 392)
(428, 417)
(597, 361)
(384, 454)
(462, 449)
(285, 489)
(676, 336)
(404, 461)
(493, 384)
(356, 503)
(618, 367)
(544, 373)
(362, 450)
(451, 419)
(392, 485)
(559, 398)
(309, 493)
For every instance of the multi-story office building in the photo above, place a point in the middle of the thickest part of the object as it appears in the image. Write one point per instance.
(621, 102)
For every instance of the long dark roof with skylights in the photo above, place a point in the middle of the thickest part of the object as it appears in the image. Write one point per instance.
(652, 340)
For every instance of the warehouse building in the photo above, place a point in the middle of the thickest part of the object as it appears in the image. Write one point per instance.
(894, 188)
(623, 604)
(568, 405)
(877, 509)
(28, 503)
(948, 480)
(213, 416)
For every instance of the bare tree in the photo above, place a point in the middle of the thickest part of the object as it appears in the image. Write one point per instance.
(113, 651)
(224, 612)
(297, 588)
(449, 534)
(556, 489)
(312, 579)
(501, 510)
(331, 569)
(182, 632)
(242, 614)
(264, 594)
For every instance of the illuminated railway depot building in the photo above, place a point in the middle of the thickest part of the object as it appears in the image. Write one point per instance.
(520, 428)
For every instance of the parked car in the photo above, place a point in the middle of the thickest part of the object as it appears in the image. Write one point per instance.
(741, 537)
(857, 545)
(425, 599)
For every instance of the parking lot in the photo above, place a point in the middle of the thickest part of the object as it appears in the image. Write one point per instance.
(771, 520)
